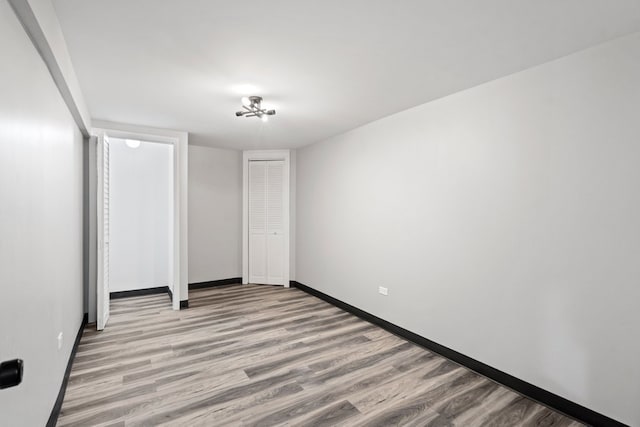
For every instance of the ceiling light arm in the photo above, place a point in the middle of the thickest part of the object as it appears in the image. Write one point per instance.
(254, 109)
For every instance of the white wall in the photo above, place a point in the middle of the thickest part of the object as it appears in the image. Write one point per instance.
(215, 214)
(141, 238)
(91, 227)
(292, 215)
(503, 220)
(40, 227)
(40, 20)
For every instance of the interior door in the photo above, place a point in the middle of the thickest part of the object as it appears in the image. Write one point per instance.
(275, 230)
(266, 222)
(102, 292)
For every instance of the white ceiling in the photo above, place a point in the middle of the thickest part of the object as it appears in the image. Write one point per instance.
(326, 66)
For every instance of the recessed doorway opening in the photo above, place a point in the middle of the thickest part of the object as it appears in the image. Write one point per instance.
(141, 215)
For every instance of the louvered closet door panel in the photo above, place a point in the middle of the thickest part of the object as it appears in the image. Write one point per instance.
(257, 222)
(275, 229)
(103, 206)
(107, 225)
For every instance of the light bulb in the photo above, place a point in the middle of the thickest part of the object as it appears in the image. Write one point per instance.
(265, 118)
(246, 101)
(132, 143)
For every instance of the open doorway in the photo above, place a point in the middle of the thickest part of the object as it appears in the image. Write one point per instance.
(141, 216)
(140, 213)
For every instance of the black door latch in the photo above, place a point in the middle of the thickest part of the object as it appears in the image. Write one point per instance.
(10, 373)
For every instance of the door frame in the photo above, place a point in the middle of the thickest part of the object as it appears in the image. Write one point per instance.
(179, 141)
(252, 155)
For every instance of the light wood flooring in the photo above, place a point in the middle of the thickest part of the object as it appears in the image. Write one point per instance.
(261, 356)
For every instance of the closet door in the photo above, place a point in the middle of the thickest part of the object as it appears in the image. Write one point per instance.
(257, 222)
(275, 217)
(102, 293)
(266, 231)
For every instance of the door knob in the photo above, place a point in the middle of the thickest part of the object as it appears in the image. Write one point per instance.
(11, 373)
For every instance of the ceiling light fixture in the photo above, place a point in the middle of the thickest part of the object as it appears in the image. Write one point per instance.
(252, 106)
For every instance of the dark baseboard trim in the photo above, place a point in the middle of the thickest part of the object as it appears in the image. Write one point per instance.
(55, 412)
(184, 304)
(213, 283)
(170, 293)
(531, 391)
(140, 292)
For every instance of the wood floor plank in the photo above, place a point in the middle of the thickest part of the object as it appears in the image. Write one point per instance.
(255, 355)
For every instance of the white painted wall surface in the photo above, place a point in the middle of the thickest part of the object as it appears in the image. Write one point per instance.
(92, 239)
(292, 215)
(215, 214)
(40, 20)
(141, 241)
(504, 221)
(40, 227)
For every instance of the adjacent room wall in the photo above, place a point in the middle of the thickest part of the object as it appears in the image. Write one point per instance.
(502, 219)
(292, 215)
(215, 214)
(141, 238)
(40, 227)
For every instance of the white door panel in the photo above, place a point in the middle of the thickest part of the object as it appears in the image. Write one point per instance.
(275, 267)
(257, 222)
(102, 294)
(274, 196)
(257, 255)
(266, 219)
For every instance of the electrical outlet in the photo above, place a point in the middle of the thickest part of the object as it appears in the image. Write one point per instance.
(382, 290)
(60, 337)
